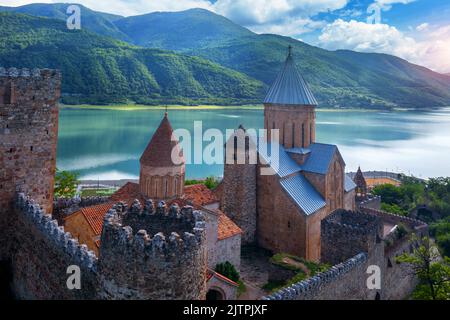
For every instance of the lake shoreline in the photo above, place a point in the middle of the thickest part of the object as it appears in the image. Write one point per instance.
(138, 107)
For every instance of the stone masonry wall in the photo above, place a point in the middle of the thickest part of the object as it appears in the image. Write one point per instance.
(347, 233)
(169, 264)
(42, 252)
(344, 281)
(129, 267)
(28, 136)
(239, 190)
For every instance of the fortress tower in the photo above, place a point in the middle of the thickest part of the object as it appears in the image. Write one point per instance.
(161, 178)
(290, 107)
(28, 137)
(153, 253)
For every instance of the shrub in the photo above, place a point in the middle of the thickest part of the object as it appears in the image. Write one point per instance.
(228, 270)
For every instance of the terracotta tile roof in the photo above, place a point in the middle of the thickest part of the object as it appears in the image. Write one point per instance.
(94, 215)
(199, 195)
(159, 150)
(212, 273)
(130, 191)
(227, 228)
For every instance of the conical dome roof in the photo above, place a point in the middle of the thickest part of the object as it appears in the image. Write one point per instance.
(290, 87)
(159, 151)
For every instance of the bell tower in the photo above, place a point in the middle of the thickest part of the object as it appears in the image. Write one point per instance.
(290, 107)
(162, 176)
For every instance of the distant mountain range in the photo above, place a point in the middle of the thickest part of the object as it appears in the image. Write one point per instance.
(243, 64)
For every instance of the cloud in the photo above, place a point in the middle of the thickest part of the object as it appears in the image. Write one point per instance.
(253, 12)
(292, 27)
(432, 52)
(422, 27)
(286, 17)
(387, 4)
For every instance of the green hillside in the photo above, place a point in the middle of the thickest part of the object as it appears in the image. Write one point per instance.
(98, 69)
(98, 22)
(338, 78)
(180, 31)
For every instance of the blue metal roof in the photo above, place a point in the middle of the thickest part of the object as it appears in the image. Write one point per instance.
(303, 193)
(290, 87)
(298, 150)
(320, 158)
(285, 166)
(349, 184)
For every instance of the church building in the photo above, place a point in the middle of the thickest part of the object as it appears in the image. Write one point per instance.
(282, 212)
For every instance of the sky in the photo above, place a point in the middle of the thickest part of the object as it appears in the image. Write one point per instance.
(416, 30)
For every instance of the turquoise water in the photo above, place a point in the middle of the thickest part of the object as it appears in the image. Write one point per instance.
(107, 144)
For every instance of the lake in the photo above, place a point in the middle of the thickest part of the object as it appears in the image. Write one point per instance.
(106, 144)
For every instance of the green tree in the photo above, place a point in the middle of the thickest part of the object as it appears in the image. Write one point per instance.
(228, 270)
(432, 271)
(66, 183)
(389, 193)
(211, 182)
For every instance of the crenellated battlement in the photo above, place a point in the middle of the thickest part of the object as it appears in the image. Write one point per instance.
(165, 248)
(310, 288)
(153, 230)
(358, 223)
(28, 73)
(50, 229)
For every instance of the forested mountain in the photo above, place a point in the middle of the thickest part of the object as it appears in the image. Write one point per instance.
(338, 78)
(98, 69)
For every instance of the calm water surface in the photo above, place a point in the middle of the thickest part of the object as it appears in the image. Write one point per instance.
(107, 144)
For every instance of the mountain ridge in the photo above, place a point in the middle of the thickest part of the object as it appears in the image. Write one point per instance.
(98, 69)
(340, 78)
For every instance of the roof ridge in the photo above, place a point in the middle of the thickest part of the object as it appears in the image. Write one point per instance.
(290, 87)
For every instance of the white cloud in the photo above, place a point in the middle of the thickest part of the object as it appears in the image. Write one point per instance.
(422, 27)
(387, 4)
(286, 17)
(432, 52)
(252, 12)
(292, 27)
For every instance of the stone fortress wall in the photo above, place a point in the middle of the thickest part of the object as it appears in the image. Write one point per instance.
(165, 249)
(28, 138)
(359, 240)
(166, 265)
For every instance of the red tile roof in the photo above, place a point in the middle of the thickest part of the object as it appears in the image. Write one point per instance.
(227, 228)
(129, 192)
(94, 215)
(212, 273)
(199, 195)
(159, 150)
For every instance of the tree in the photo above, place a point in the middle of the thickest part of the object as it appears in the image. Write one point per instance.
(228, 270)
(211, 182)
(66, 183)
(432, 271)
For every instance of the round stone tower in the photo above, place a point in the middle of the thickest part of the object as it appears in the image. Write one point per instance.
(290, 107)
(162, 165)
(152, 253)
